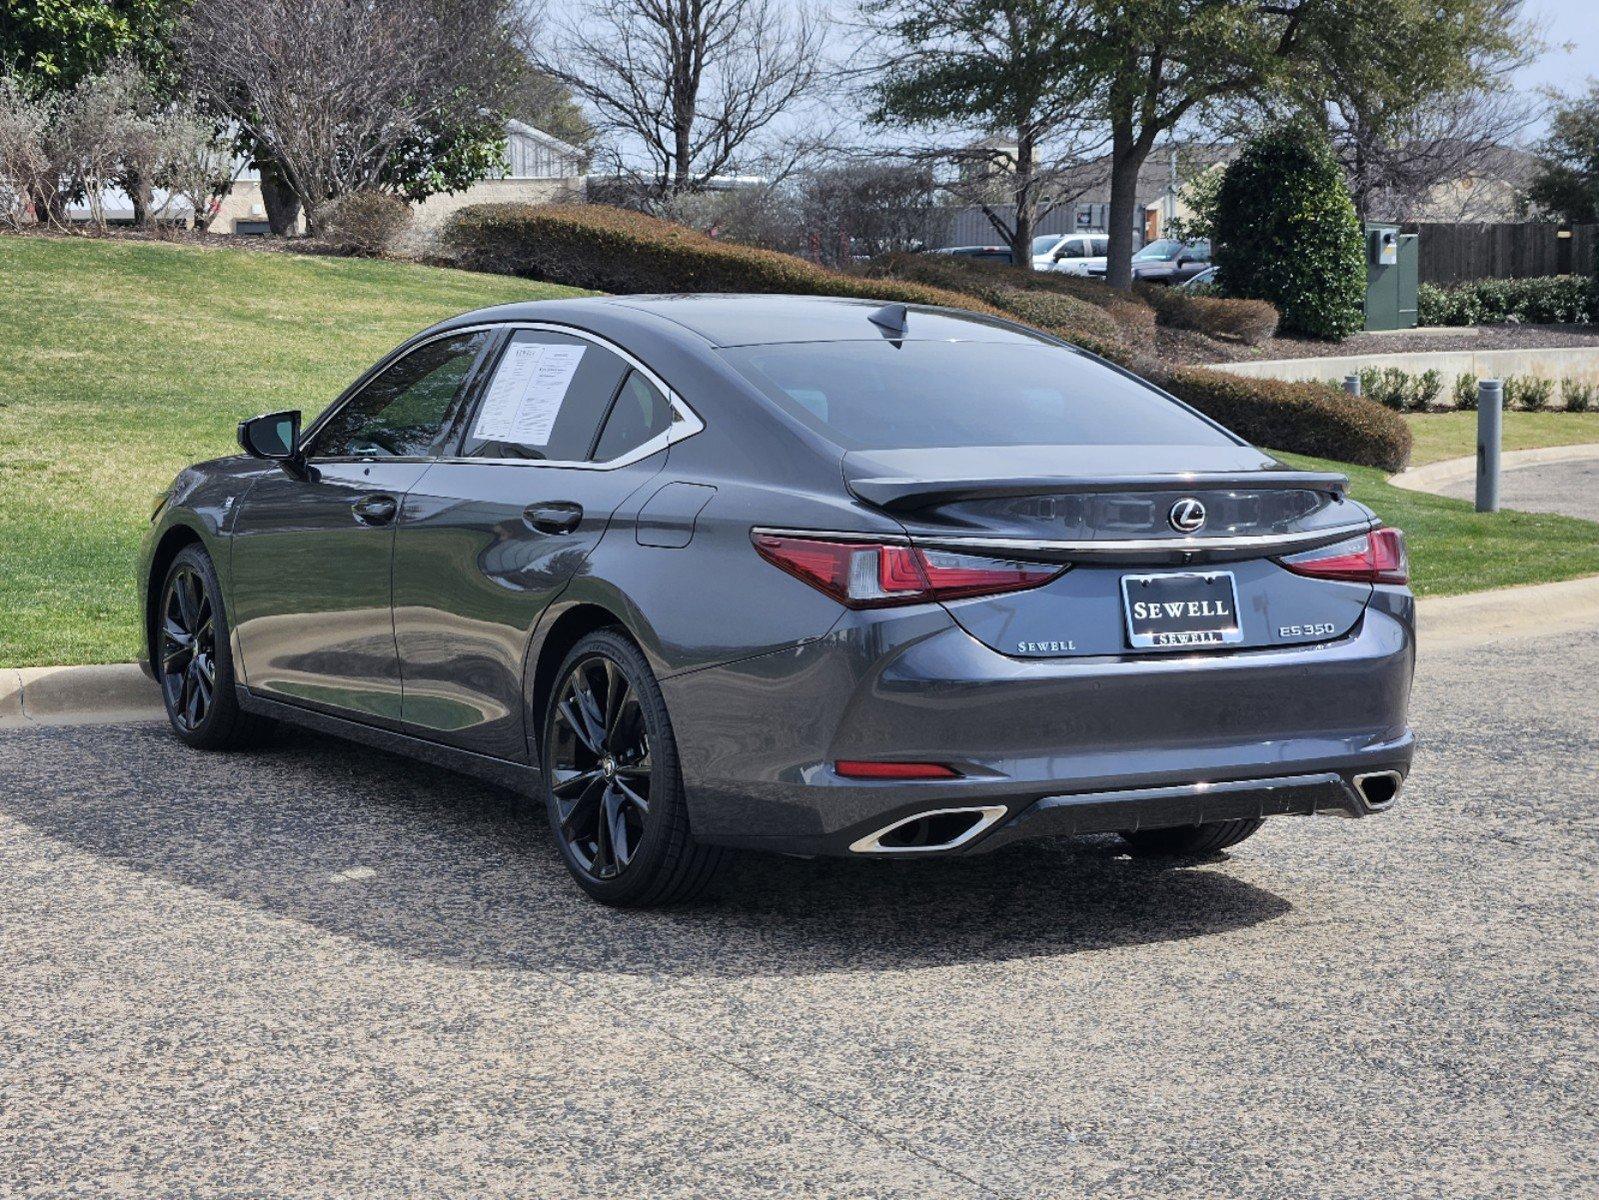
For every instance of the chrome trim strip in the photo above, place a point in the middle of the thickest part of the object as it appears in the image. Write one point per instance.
(686, 422)
(1133, 545)
(989, 814)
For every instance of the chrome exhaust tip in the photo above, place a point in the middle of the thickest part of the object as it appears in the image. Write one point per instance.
(929, 832)
(1378, 789)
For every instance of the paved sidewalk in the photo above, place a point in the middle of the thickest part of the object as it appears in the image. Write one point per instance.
(322, 971)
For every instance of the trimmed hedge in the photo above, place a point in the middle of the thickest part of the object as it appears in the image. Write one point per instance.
(614, 250)
(1247, 321)
(1545, 300)
(1307, 418)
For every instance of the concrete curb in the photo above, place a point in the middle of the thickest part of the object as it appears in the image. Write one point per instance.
(121, 693)
(1457, 470)
(115, 692)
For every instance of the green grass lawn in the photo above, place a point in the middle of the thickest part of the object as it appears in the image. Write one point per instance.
(1454, 434)
(120, 362)
(1454, 548)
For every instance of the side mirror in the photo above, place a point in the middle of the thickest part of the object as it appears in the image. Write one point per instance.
(273, 436)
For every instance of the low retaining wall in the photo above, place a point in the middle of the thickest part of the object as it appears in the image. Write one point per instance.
(1580, 363)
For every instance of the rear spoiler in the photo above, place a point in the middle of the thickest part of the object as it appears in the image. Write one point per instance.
(906, 493)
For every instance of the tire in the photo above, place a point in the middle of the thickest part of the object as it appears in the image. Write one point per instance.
(1190, 841)
(193, 659)
(612, 788)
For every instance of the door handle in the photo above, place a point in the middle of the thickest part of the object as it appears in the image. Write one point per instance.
(375, 510)
(553, 516)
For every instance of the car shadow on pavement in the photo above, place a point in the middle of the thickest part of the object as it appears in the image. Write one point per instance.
(377, 848)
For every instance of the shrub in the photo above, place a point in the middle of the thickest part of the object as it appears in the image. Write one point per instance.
(1309, 418)
(615, 250)
(1248, 321)
(1530, 393)
(1028, 295)
(1286, 232)
(1401, 391)
(362, 224)
(1466, 393)
(1578, 396)
(1545, 300)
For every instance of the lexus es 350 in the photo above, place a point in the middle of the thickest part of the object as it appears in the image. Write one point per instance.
(807, 575)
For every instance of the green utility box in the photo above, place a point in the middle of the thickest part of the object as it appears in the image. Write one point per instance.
(1391, 278)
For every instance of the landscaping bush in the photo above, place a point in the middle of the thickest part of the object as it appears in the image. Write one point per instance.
(1578, 396)
(1466, 393)
(362, 224)
(1031, 296)
(1529, 393)
(616, 250)
(1247, 321)
(1309, 418)
(1286, 233)
(1545, 300)
(1401, 391)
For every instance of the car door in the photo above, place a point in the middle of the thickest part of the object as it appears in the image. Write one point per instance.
(562, 430)
(312, 553)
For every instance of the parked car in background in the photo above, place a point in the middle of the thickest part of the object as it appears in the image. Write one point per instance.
(994, 253)
(1071, 253)
(1170, 261)
(1202, 284)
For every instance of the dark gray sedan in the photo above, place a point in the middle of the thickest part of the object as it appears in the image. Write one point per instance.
(797, 574)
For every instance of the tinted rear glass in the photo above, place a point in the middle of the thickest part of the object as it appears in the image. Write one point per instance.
(882, 396)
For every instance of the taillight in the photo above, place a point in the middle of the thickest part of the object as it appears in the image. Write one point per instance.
(1375, 557)
(868, 574)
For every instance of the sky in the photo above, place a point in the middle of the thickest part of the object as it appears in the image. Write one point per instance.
(1562, 66)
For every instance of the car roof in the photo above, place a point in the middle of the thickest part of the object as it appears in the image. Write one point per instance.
(744, 320)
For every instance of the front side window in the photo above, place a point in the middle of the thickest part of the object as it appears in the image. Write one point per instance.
(545, 399)
(883, 395)
(402, 412)
(1072, 249)
(1045, 243)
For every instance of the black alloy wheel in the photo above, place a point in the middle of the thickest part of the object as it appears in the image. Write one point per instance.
(600, 767)
(187, 648)
(613, 789)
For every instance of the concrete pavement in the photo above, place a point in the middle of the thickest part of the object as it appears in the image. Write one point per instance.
(318, 971)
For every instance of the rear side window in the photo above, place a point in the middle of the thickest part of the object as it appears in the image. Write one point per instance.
(545, 398)
(401, 413)
(640, 414)
(886, 396)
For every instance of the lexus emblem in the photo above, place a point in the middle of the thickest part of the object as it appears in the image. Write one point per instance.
(1187, 515)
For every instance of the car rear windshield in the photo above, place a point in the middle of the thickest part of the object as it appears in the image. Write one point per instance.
(884, 395)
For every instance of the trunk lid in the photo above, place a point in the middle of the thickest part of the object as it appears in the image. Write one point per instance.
(1120, 515)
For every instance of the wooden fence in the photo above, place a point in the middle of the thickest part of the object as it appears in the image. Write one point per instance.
(1458, 253)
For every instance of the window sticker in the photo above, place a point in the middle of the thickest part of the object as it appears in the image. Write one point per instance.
(527, 392)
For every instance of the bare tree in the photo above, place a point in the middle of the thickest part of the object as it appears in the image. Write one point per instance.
(338, 95)
(870, 208)
(685, 90)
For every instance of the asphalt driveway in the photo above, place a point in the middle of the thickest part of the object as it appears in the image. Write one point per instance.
(1571, 488)
(321, 971)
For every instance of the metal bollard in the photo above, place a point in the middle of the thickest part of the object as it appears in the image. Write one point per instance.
(1490, 426)
(1352, 384)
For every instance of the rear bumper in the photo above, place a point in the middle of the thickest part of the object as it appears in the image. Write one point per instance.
(1062, 746)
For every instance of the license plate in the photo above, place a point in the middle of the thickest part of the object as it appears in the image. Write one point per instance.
(1176, 611)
